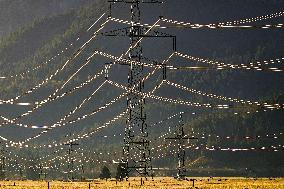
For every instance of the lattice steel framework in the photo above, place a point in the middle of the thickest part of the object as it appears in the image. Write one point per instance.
(42, 173)
(180, 138)
(136, 152)
(2, 161)
(136, 149)
(70, 172)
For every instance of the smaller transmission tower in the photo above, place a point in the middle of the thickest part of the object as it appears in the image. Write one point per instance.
(2, 162)
(180, 138)
(70, 172)
(42, 173)
(20, 169)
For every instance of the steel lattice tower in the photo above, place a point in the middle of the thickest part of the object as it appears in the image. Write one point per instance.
(136, 153)
(136, 150)
(181, 151)
(70, 174)
(42, 174)
(180, 138)
(2, 162)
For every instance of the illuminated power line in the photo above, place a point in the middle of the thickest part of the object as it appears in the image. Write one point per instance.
(57, 54)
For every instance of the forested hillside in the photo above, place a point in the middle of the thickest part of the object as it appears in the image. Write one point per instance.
(17, 14)
(49, 35)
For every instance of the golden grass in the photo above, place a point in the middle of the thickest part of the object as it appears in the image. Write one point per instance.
(157, 183)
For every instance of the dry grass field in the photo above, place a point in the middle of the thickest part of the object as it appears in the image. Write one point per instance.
(160, 182)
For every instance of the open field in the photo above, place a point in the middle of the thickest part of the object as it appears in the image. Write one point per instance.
(159, 182)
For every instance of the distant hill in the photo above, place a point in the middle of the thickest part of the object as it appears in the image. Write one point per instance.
(18, 13)
(34, 31)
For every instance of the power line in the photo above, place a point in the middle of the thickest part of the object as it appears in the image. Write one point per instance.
(50, 97)
(211, 95)
(222, 65)
(21, 143)
(77, 53)
(187, 103)
(187, 25)
(57, 54)
(252, 19)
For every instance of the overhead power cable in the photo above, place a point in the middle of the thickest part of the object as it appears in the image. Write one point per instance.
(77, 53)
(69, 92)
(210, 95)
(222, 65)
(57, 54)
(187, 25)
(181, 102)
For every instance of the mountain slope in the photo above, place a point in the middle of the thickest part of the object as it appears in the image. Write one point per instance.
(46, 37)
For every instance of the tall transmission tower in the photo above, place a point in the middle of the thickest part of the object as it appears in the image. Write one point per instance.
(180, 138)
(136, 150)
(135, 104)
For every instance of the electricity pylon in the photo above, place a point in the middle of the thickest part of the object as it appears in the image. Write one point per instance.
(180, 138)
(2, 162)
(70, 173)
(136, 150)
